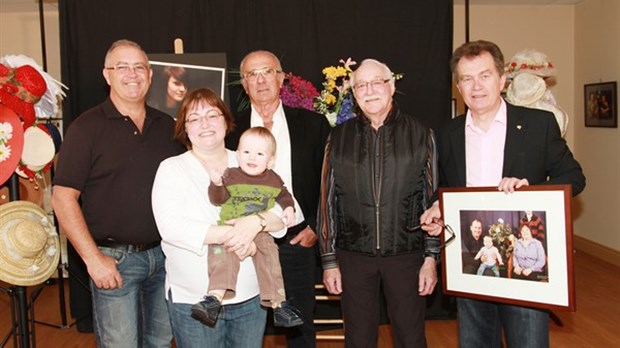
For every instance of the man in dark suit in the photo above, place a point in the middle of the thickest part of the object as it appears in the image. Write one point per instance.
(498, 144)
(301, 136)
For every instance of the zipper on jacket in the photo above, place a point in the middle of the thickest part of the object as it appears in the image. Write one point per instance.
(377, 189)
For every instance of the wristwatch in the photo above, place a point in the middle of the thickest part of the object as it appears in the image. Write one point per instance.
(262, 222)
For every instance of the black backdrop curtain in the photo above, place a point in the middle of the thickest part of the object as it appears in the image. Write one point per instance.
(413, 37)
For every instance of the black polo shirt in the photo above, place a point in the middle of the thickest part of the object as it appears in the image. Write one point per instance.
(113, 165)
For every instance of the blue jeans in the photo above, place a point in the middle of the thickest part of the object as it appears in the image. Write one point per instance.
(238, 325)
(484, 266)
(481, 324)
(136, 314)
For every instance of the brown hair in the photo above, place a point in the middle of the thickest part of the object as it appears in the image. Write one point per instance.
(474, 49)
(263, 133)
(197, 97)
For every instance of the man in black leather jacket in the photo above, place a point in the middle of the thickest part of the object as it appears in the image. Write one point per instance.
(377, 177)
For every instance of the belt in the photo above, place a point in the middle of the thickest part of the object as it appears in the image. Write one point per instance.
(135, 248)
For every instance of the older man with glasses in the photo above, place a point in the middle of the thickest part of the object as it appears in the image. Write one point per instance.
(378, 176)
(300, 135)
(107, 163)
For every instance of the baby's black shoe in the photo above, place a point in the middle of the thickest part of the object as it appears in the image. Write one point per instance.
(207, 311)
(286, 316)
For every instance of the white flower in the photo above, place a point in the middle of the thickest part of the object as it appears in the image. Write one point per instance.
(500, 220)
(331, 118)
(5, 152)
(6, 131)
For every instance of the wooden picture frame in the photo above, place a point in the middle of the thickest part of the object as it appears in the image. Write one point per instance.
(601, 104)
(500, 215)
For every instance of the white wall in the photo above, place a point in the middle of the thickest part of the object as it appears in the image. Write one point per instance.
(597, 28)
(20, 32)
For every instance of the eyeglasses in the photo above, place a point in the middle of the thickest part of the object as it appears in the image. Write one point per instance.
(268, 73)
(211, 117)
(468, 81)
(125, 69)
(447, 228)
(363, 86)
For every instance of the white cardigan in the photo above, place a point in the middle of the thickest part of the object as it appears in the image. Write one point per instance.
(183, 214)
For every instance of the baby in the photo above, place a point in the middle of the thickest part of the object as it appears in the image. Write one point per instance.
(491, 257)
(250, 189)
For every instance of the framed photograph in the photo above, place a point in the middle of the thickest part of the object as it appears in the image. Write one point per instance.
(601, 104)
(176, 74)
(511, 248)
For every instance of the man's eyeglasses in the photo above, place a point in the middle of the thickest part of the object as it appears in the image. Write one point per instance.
(268, 73)
(210, 117)
(468, 81)
(125, 69)
(445, 227)
(363, 86)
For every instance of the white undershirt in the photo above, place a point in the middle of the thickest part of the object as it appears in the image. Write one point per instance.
(283, 153)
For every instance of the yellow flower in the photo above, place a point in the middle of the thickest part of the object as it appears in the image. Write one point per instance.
(332, 73)
(330, 99)
(330, 85)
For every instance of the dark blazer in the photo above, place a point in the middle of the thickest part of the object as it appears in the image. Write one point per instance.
(308, 134)
(534, 150)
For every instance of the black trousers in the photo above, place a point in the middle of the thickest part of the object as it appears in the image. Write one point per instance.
(362, 278)
(299, 272)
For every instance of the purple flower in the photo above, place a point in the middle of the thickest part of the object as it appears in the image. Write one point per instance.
(298, 93)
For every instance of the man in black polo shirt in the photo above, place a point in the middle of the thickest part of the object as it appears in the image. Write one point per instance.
(108, 160)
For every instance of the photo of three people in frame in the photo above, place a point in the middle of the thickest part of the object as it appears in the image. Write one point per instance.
(506, 244)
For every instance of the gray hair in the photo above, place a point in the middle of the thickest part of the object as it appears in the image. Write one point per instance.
(120, 43)
(386, 69)
(279, 65)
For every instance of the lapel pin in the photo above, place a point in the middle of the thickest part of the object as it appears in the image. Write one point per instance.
(519, 127)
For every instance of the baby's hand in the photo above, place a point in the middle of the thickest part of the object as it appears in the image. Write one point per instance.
(501, 263)
(288, 216)
(216, 177)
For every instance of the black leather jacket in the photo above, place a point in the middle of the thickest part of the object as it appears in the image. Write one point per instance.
(358, 216)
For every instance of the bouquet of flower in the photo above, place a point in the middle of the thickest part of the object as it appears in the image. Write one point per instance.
(503, 237)
(336, 100)
(298, 93)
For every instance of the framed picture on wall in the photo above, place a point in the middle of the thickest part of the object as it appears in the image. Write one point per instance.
(510, 248)
(601, 105)
(176, 74)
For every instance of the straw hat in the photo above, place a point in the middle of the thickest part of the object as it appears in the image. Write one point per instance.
(29, 245)
(11, 142)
